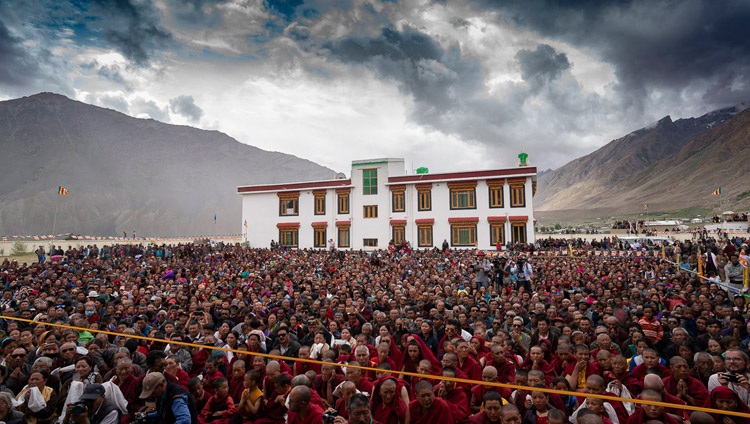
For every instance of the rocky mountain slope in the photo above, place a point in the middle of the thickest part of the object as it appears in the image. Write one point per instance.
(125, 174)
(671, 165)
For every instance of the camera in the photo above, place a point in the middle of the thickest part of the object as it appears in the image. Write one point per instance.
(79, 408)
(732, 378)
(329, 417)
(140, 418)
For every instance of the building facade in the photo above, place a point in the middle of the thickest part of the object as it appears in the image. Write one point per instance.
(380, 203)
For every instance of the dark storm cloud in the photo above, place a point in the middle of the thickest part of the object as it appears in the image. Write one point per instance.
(132, 27)
(185, 106)
(17, 67)
(542, 65)
(432, 75)
(653, 45)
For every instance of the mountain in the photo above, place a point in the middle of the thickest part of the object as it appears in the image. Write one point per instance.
(670, 165)
(125, 174)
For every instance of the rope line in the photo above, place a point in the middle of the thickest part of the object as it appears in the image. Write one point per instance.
(411, 374)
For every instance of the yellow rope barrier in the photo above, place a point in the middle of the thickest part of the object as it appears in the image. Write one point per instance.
(411, 374)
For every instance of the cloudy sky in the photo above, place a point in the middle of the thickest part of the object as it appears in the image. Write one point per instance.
(452, 84)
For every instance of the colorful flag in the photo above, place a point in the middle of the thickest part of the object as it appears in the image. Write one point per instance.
(645, 206)
(716, 192)
(62, 190)
(214, 218)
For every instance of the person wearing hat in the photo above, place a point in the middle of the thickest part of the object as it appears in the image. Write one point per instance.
(93, 407)
(173, 403)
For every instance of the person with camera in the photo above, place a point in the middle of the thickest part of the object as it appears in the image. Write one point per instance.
(523, 272)
(735, 377)
(93, 407)
(359, 412)
(173, 403)
(301, 411)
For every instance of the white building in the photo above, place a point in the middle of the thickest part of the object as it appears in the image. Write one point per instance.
(379, 203)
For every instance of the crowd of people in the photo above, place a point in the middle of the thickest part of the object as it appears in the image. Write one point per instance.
(632, 326)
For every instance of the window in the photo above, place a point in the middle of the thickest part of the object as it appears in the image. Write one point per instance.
(371, 211)
(343, 236)
(497, 233)
(398, 234)
(464, 234)
(320, 236)
(463, 195)
(518, 229)
(288, 204)
(370, 242)
(398, 201)
(496, 195)
(517, 195)
(425, 198)
(370, 181)
(320, 203)
(343, 200)
(425, 236)
(288, 237)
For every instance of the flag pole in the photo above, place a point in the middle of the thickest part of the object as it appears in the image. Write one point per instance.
(54, 220)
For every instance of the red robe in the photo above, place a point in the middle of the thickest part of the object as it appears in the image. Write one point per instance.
(342, 407)
(131, 391)
(199, 361)
(480, 390)
(544, 366)
(506, 371)
(314, 416)
(639, 372)
(208, 381)
(395, 413)
(458, 402)
(640, 417)
(481, 418)
(216, 405)
(315, 399)
(439, 413)
(180, 377)
(696, 389)
(471, 368)
(236, 387)
(634, 387)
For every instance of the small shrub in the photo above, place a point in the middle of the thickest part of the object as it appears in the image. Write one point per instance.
(19, 248)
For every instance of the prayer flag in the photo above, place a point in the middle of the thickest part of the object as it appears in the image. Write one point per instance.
(214, 218)
(716, 192)
(62, 191)
(645, 206)
(245, 224)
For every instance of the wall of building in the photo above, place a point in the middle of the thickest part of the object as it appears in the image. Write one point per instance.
(261, 210)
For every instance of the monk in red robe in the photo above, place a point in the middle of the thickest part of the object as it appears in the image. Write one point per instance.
(479, 391)
(220, 407)
(129, 385)
(647, 413)
(535, 361)
(301, 411)
(682, 385)
(387, 406)
(428, 409)
(274, 408)
(237, 381)
(466, 363)
(455, 397)
(491, 414)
